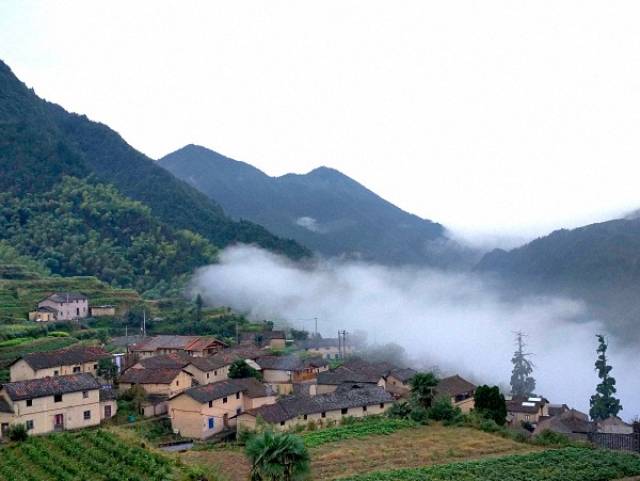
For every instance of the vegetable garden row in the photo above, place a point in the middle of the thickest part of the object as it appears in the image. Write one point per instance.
(568, 464)
(356, 429)
(89, 455)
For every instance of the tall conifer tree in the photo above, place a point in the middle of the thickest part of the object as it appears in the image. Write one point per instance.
(603, 403)
(522, 383)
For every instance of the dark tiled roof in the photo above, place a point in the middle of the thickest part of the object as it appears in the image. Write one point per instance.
(316, 343)
(185, 343)
(342, 375)
(557, 409)
(48, 386)
(66, 297)
(524, 405)
(149, 376)
(264, 335)
(107, 393)
(47, 309)
(4, 406)
(64, 357)
(570, 421)
(166, 361)
(250, 386)
(403, 375)
(290, 363)
(453, 386)
(293, 406)
(372, 370)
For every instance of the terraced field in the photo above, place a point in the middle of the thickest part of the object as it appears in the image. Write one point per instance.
(88, 455)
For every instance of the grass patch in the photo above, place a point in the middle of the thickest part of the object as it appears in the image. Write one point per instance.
(567, 464)
(358, 428)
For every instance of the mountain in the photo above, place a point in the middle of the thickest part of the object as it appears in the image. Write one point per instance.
(324, 209)
(40, 143)
(599, 263)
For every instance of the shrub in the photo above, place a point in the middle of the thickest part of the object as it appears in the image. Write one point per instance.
(419, 415)
(550, 438)
(491, 404)
(443, 410)
(18, 433)
(399, 410)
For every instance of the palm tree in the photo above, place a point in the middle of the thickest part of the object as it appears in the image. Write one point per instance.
(277, 457)
(422, 388)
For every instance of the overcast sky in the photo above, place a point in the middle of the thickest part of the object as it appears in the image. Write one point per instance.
(494, 118)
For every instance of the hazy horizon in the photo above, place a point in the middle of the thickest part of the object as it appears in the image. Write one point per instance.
(498, 137)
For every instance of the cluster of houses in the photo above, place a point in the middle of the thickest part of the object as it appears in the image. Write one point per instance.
(68, 306)
(187, 379)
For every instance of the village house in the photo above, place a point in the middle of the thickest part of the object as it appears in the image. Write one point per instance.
(73, 360)
(270, 339)
(54, 404)
(458, 390)
(526, 410)
(106, 310)
(328, 348)
(397, 381)
(43, 314)
(203, 411)
(283, 372)
(159, 384)
(613, 425)
(329, 381)
(197, 346)
(322, 409)
(68, 306)
(571, 423)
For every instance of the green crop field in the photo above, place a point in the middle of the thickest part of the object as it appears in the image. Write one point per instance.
(568, 464)
(88, 455)
(358, 428)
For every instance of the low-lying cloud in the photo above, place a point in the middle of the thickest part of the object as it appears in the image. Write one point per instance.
(457, 322)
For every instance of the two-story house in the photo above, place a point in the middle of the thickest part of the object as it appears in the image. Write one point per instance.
(203, 411)
(68, 306)
(73, 360)
(526, 410)
(458, 390)
(54, 404)
(282, 372)
(159, 384)
(197, 346)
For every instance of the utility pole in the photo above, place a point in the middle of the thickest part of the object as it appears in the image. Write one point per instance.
(316, 328)
(144, 323)
(237, 334)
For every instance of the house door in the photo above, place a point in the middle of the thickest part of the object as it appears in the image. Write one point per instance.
(58, 422)
(4, 428)
(225, 420)
(107, 412)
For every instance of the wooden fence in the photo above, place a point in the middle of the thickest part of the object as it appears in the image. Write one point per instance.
(625, 442)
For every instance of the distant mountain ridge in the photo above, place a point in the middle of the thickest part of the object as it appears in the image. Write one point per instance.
(324, 210)
(40, 142)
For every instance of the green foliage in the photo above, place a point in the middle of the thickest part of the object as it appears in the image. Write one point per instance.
(240, 369)
(443, 410)
(277, 457)
(522, 383)
(423, 386)
(568, 464)
(299, 335)
(79, 228)
(355, 428)
(603, 403)
(490, 403)
(107, 369)
(550, 438)
(399, 410)
(17, 433)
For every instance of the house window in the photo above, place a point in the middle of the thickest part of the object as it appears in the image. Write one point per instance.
(29, 424)
(177, 383)
(324, 415)
(238, 411)
(281, 423)
(212, 423)
(304, 417)
(224, 400)
(210, 404)
(87, 415)
(85, 394)
(207, 375)
(57, 398)
(95, 367)
(215, 373)
(381, 405)
(237, 395)
(29, 403)
(344, 411)
(76, 369)
(526, 418)
(55, 373)
(364, 409)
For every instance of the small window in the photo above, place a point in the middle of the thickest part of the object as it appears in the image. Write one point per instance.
(207, 375)
(76, 369)
(237, 395)
(55, 373)
(85, 394)
(526, 418)
(381, 405)
(57, 398)
(364, 409)
(238, 411)
(211, 423)
(281, 423)
(324, 415)
(344, 411)
(210, 404)
(95, 367)
(215, 373)
(224, 400)
(304, 417)
(29, 403)
(177, 383)
(29, 424)
(87, 415)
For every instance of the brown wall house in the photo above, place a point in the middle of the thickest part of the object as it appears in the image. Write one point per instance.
(53, 404)
(270, 339)
(203, 411)
(283, 372)
(158, 384)
(73, 360)
(198, 346)
(459, 391)
(526, 410)
(68, 305)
